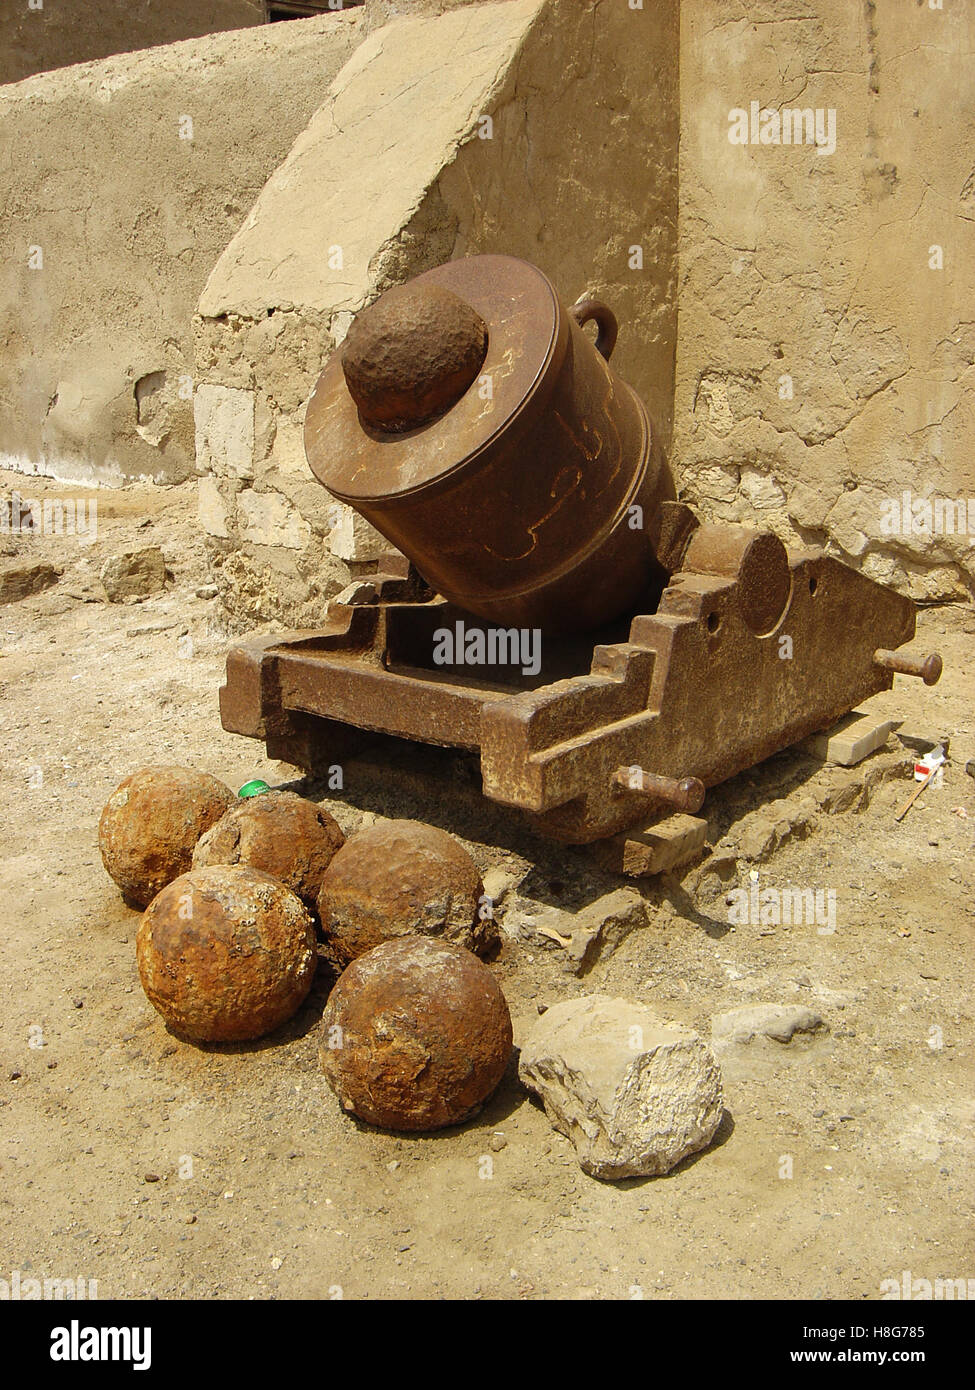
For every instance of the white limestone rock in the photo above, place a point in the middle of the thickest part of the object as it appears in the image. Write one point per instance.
(635, 1094)
(777, 1022)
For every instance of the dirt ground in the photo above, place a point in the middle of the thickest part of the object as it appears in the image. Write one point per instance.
(164, 1170)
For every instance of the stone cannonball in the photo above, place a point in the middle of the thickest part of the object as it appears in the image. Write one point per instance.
(412, 355)
(226, 953)
(151, 823)
(416, 1035)
(398, 878)
(281, 833)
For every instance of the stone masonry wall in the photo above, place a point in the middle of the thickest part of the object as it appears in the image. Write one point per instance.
(826, 329)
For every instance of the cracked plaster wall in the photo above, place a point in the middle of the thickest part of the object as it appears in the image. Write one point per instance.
(816, 268)
(96, 340)
(578, 170)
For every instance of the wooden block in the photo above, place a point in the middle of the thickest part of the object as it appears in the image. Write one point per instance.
(850, 740)
(654, 849)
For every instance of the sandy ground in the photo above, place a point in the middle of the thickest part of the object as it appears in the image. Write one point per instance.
(261, 1188)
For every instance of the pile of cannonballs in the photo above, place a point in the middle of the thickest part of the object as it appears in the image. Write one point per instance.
(237, 892)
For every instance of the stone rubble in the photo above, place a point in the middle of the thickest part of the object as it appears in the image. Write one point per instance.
(778, 1022)
(136, 574)
(19, 581)
(585, 937)
(634, 1093)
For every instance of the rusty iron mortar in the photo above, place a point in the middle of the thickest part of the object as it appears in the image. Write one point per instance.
(482, 432)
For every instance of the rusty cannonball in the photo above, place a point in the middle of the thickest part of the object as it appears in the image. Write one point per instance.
(151, 823)
(416, 1035)
(399, 878)
(412, 355)
(226, 953)
(281, 833)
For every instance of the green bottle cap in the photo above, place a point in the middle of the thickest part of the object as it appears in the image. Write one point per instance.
(253, 788)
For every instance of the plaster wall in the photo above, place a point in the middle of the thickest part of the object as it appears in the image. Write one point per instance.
(121, 182)
(826, 325)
